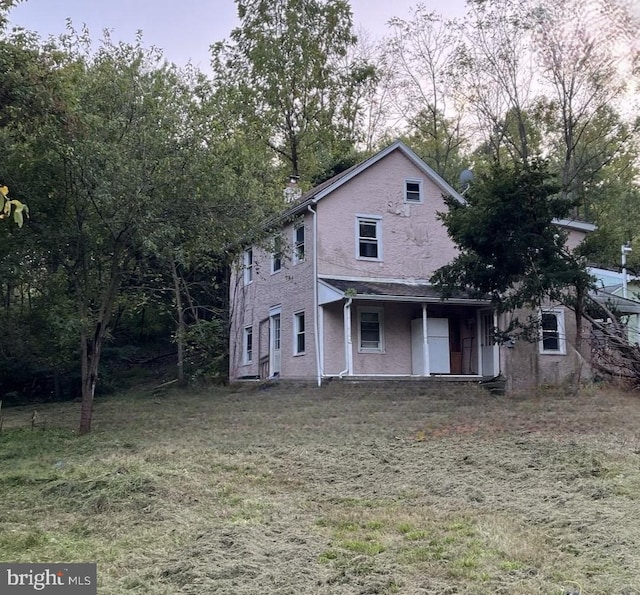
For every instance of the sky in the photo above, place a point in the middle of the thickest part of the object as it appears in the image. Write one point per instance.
(185, 29)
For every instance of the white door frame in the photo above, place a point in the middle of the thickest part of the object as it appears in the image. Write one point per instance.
(275, 341)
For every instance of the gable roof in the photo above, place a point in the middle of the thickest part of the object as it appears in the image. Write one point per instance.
(319, 192)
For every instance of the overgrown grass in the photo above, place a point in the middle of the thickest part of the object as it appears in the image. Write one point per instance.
(393, 490)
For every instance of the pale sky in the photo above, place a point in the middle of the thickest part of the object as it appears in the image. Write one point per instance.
(184, 29)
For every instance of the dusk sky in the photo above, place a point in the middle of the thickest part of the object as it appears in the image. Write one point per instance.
(185, 29)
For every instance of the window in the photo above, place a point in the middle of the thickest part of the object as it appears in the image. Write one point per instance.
(552, 335)
(248, 266)
(247, 345)
(370, 325)
(298, 243)
(369, 238)
(413, 191)
(276, 256)
(299, 333)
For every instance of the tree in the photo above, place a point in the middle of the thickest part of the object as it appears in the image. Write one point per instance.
(588, 79)
(510, 247)
(423, 53)
(284, 75)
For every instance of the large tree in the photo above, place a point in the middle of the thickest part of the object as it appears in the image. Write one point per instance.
(284, 73)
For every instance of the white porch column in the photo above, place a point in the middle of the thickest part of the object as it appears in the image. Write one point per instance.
(425, 343)
(496, 347)
(348, 343)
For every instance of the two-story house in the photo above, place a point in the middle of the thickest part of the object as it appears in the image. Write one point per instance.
(343, 290)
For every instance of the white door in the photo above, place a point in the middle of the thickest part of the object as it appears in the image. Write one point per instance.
(274, 351)
(438, 340)
(486, 342)
(438, 337)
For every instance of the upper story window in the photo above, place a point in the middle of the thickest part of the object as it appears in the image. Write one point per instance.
(552, 333)
(369, 237)
(298, 243)
(247, 263)
(276, 255)
(413, 191)
(371, 330)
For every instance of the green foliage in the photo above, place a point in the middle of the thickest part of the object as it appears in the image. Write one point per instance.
(510, 249)
(287, 76)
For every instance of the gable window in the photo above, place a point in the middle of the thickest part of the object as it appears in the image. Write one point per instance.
(298, 243)
(552, 334)
(369, 237)
(413, 191)
(247, 262)
(276, 256)
(299, 333)
(370, 328)
(247, 345)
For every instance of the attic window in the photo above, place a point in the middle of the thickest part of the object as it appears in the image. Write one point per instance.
(413, 191)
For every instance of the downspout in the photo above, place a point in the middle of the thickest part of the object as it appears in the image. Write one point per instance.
(316, 326)
(347, 338)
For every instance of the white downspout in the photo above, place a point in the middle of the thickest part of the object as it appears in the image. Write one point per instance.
(348, 352)
(316, 326)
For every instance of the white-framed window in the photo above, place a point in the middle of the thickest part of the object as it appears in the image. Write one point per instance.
(247, 264)
(552, 334)
(368, 237)
(298, 243)
(276, 256)
(299, 338)
(247, 345)
(370, 330)
(413, 191)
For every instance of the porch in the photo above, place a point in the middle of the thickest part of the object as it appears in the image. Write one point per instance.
(397, 330)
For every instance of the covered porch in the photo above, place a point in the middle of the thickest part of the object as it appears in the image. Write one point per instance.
(379, 329)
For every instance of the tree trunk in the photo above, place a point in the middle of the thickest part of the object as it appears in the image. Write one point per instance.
(181, 330)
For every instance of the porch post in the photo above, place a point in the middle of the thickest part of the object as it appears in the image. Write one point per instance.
(496, 347)
(426, 371)
(348, 342)
(480, 340)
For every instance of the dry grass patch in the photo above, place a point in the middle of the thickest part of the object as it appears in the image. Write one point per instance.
(397, 489)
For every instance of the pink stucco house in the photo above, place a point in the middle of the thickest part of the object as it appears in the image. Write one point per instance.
(343, 289)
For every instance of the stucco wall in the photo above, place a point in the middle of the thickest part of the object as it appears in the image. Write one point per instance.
(525, 367)
(414, 241)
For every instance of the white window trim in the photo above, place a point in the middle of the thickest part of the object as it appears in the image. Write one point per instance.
(296, 332)
(413, 181)
(248, 268)
(296, 259)
(562, 337)
(380, 313)
(246, 358)
(378, 221)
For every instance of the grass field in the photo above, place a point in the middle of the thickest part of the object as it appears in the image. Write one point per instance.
(400, 489)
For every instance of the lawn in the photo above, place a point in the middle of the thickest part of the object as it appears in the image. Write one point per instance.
(399, 489)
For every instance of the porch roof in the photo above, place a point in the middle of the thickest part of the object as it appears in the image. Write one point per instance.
(403, 292)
